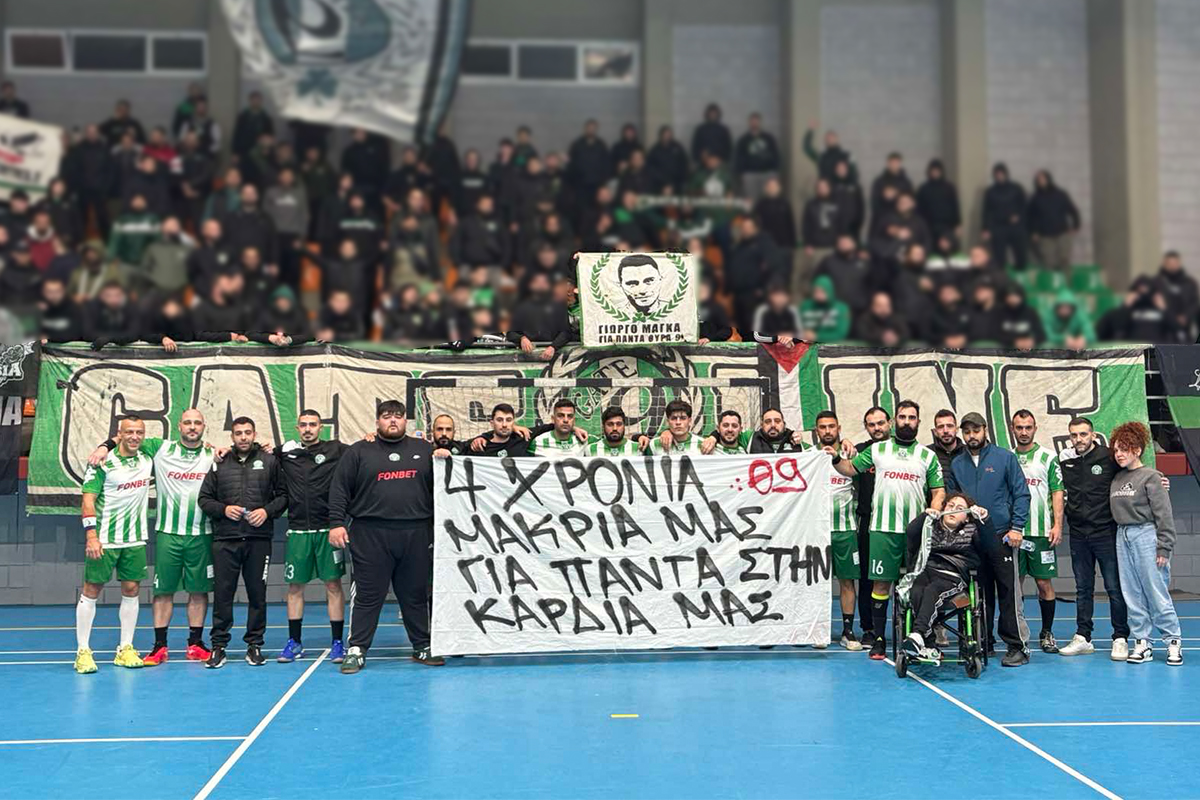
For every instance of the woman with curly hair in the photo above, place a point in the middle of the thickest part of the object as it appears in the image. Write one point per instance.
(1145, 538)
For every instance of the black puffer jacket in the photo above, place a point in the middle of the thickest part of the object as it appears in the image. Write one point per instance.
(251, 482)
(949, 551)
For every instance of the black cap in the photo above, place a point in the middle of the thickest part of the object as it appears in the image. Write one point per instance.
(972, 420)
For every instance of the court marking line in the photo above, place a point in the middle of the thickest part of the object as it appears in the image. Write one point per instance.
(1030, 746)
(104, 740)
(623, 716)
(236, 755)
(1097, 724)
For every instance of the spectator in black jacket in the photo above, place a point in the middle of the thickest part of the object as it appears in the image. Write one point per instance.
(891, 183)
(775, 212)
(65, 218)
(223, 310)
(285, 316)
(62, 319)
(880, 325)
(242, 494)
(441, 158)
(92, 176)
(148, 179)
(1020, 325)
(250, 226)
(849, 195)
(913, 290)
(712, 136)
(714, 320)
(121, 122)
(667, 162)
(347, 272)
(756, 159)
(472, 182)
(636, 177)
(822, 223)
(252, 122)
(1053, 222)
(588, 163)
(502, 181)
(1004, 219)
(1180, 291)
(20, 281)
(985, 312)
(1144, 317)
(540, 318)
(339, 320)
(111, 317)
(950, 326)
(777, 320)
(937, 204)
(481, 239)
(850, 273)
(411, 174)
(827, 160)
(10, 103)
(623, 148)
(753, 263)
(368, 159)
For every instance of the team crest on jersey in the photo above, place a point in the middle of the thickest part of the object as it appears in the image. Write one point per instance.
(258, 464)
(320, 459)
(503, 454)
(393, 456)
(1097, 469)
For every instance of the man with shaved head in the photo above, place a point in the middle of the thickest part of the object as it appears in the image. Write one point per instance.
(183, 543)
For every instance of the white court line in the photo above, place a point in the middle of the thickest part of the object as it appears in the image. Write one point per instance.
(126, 739)
(1097, 724)
(258, 729)
(19, 628)
(1074, 773)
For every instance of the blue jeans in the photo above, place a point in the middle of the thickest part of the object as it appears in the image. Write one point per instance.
(1144, 584)
(1086, 552)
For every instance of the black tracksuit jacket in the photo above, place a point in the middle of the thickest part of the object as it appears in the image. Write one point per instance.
(1087, 480)
(307, 476)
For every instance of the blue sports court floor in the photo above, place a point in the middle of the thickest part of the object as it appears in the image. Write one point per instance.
(729, 724)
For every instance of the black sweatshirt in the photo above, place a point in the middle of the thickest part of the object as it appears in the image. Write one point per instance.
(384, 482)
(252, 482)
(307, 475)
(513, 446)
(1087, 479)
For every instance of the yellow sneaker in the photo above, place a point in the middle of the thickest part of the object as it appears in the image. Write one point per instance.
(128, 657)
(84, 663)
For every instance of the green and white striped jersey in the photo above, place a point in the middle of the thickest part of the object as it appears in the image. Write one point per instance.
(122, 489)
(550, 446)
(843, 502)
(178, 473)
(689, 445)
(1044, 478)
(722, 449)
(600, 447)
(903, 473)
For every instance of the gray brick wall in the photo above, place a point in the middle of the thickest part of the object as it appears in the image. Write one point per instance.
(1178, 120)
(881, 83)
(735, 66)
(1037, 97)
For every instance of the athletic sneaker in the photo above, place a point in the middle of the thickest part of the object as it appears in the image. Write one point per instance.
(912, 645)
(337, 651)
(354, 660)
(932, 655)
(1015, 657)
(1046, 640)
(850, 641)
(1079, 646)
(198, 652)
(128, 657)
(85, 663)
(216, 659)
(291, 651)
(1175, 653)
(254, 656)
(423, 656)
(867, 639)
(943, 638)
(1120, 650)
(879, 649)
(157, 656)
(1142, 652)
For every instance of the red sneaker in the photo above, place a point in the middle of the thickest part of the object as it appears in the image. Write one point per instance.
(157, 656)
(197, 652)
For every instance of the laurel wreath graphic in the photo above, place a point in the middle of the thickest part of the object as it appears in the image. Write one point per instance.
(622, 316)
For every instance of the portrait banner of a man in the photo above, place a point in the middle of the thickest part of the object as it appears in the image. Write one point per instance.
(638, 298)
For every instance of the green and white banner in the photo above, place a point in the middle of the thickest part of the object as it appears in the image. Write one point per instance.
(638, 298)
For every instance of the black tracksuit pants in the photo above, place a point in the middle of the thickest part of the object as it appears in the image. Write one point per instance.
(1006, 238)
(865, 583)
(399, 555)
(932, 592)
(1002, 587)
(248, 557)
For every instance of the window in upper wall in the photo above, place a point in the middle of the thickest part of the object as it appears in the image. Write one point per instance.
(108, 53)
(36, 50)
(90, 51)
(517, 62)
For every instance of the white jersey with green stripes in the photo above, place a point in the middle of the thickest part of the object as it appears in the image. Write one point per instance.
(600, 447)
(550, 446)
(1044, 478)
(843, 501)
(178, 473)
(736, 449)
(122, 489)
(689, 445)
(903, 473)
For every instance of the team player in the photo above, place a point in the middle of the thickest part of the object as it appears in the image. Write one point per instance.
(843, 530)
(308, 466)
(116, 496)
(1044, 528)
(729, 434)
(507, 439)
(878, 424)
(772, 436)
(613, 442)
(904, 472)
(560, 441)
(443, 435)
(679, 426)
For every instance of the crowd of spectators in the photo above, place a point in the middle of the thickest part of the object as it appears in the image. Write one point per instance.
(156, 235)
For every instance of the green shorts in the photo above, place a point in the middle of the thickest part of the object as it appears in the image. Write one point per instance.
(845, 555)
(887, 556)
(129, 562)
(1041, 562)
(310, 555)
(182, 562)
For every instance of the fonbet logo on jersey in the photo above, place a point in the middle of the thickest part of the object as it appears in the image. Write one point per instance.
(893, 475)
(186, 476)
(138, 484)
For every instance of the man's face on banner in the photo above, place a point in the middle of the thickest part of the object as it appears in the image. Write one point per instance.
(642, 285)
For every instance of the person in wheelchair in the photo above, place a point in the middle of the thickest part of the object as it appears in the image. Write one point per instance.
(954, 548)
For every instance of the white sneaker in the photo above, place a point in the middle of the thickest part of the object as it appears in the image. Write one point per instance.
(1142, 652)
(1078, 646)
(1175, 653)
(1120, 650)
(821, 646)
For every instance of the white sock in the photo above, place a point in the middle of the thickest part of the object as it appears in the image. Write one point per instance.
(85, 614)
(128, 615)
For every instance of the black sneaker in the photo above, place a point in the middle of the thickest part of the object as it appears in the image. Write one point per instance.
(254, 656)
(1015, 657)
(991, 647)
(216, 659)
(879, 649)
(354, 661)
(1047, 643)
(867, 639)
(423, 656)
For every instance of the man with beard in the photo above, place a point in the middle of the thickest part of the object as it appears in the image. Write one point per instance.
(509, 439)
(946, 444)
(729, 434)
(843, 528)
(559, 441)
(442, 435)
(904, 472)
(878, 424)
(772, 436)
(386, 487)
(993, 477)
(614, 441)
(1044, 528)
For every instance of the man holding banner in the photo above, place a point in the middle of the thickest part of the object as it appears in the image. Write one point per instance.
(613, 443)
(679, 426)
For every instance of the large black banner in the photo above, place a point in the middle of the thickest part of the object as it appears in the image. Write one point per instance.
(18, 380)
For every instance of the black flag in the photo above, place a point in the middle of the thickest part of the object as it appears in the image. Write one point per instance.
(18, 380)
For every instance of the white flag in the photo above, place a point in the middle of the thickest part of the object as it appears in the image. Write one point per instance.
(30, 153)
(638, 298)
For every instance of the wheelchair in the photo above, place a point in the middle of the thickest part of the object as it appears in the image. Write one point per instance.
(964, 619)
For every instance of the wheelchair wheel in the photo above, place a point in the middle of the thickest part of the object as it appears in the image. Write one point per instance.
(974, 667)
(901, 665)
